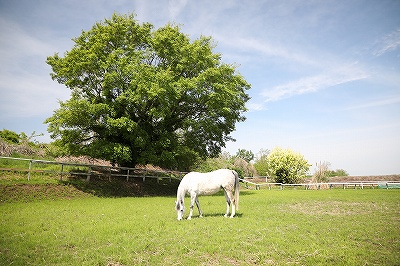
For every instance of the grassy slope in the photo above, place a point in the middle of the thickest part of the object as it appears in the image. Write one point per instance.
(331, 227)
(15, 187)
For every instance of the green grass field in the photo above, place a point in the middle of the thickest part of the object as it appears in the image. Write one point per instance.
(329, 227)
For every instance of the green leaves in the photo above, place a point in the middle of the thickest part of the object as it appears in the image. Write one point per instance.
(286, 165)
(151, 95)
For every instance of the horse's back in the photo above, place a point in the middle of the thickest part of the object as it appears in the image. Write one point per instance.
(209, 183)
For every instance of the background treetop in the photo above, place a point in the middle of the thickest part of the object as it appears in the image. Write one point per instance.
(145, 95)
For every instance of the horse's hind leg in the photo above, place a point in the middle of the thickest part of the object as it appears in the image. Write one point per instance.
(229, 201)
(198, 206)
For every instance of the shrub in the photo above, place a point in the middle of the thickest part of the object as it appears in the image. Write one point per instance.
(338, 172)
(287, 166)
(261, 162)
(9, 136)
(225, 160)
(321, 173)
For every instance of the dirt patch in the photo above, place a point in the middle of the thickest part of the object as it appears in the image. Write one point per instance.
(99, 162)
(82, 160)
(335, 208)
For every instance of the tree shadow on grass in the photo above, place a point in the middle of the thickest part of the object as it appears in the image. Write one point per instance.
(117, 187)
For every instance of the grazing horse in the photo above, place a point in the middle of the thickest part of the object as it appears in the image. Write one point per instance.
(195, 184)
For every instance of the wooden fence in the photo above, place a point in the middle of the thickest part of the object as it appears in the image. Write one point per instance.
(89, 170)
(126, 172)
(330, 185)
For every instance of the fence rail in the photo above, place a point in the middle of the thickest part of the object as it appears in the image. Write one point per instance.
(91, 170)
(330, 185)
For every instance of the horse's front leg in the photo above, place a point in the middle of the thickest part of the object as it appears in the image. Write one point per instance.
(192, 201)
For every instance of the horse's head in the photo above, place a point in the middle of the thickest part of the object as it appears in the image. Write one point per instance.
(180, 209)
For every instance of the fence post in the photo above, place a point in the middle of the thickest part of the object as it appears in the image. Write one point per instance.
(127, 176)
(88, 175)
(30, 168)
(62, 170)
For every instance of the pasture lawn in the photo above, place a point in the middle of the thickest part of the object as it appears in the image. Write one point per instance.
(329, 227)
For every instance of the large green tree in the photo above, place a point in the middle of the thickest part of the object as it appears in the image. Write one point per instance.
(145, 95)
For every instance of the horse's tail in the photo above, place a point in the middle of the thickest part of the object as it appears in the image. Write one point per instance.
(237, 188)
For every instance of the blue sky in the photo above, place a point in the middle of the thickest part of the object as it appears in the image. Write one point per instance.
(325, 75)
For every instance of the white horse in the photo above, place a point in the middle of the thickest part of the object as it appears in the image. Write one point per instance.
(195, 184)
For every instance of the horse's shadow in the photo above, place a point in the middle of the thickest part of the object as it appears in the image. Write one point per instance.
(242, 193)
(246, 193)
(215, 214)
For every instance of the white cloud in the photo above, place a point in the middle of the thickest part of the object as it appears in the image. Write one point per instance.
(382, 102)
(252, 106)
(311, 84)
(388, 43)
(175, 7)
(18, 42)
(30, 96)
(262, 48)
(25, 85)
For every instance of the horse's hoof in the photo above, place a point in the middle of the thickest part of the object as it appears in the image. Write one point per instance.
(189, 218)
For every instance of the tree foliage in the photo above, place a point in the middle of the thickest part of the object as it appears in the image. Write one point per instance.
(337, 172)
(225, 160)
(321, 172)
(261, 162)
(245, 155)
(141, 95)
(9, 136)
(287, 166)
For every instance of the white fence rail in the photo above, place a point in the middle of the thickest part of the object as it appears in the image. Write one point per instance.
(90, 170)
(330, 185)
